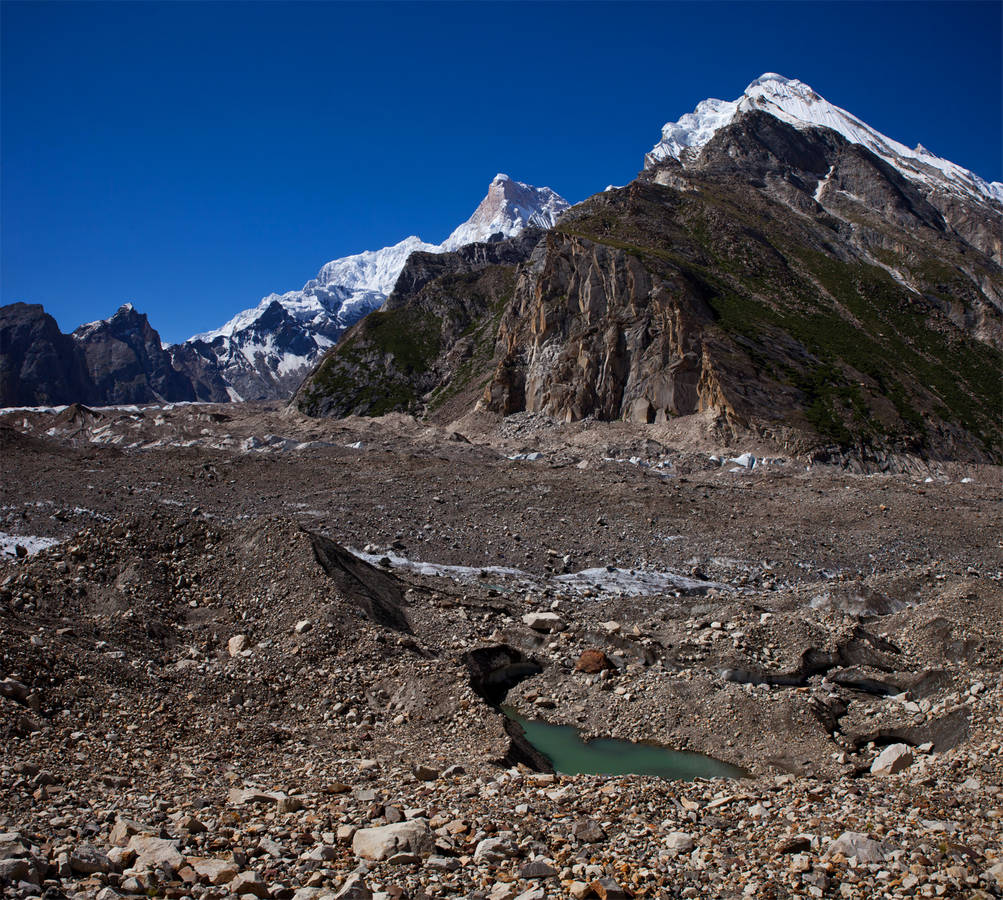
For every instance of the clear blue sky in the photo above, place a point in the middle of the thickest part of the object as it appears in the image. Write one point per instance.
(192, 157)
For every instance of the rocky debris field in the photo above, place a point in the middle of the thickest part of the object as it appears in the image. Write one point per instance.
(248, 654)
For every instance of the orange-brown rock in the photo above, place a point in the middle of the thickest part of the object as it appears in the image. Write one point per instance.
(593, 661)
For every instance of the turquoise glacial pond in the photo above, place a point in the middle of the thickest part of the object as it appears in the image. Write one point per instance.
(570, 755)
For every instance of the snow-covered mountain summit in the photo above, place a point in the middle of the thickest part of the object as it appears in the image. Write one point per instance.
(252, 352)
(794, 102)
(346, 289)
(509, 207)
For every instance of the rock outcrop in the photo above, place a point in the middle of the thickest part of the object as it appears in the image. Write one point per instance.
(126, 362)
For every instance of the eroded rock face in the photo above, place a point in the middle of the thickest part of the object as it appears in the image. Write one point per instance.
(594, 332)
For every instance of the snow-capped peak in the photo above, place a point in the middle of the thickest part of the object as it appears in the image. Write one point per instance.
(125, 312)
(796, 103)
(346, 289)
(509, 207)
(373, 270)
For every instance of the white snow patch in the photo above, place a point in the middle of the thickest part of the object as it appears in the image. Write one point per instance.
(610, 580)
(636, 582)
(32, 543)
(823, 183)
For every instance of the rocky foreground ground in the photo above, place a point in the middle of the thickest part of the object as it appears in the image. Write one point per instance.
(203, 693)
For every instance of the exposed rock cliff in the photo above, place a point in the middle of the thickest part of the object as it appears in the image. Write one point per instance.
(126, 362)
(39, 365)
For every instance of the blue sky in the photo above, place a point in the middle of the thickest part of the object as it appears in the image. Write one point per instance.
(192, 157)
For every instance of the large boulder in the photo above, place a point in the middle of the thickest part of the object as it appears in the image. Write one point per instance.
(386, 840)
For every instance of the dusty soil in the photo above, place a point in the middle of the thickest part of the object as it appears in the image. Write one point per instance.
(198, 629)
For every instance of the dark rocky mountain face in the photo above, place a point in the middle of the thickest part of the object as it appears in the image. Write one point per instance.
(117, 360)
(789, 281)
(431, 347)
(127, 363)
(39, 365)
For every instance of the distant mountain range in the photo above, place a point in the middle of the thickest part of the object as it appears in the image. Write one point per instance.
(778, 266)
(261, 353)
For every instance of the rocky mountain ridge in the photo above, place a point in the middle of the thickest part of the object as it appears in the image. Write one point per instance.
(258, 360)
(114, 360)
(261, 353)
(781, 277)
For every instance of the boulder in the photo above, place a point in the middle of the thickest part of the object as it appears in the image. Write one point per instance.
(153, 851)
(894, 758)
(13, 870)
(609, 889)
(354, 888)
(386, 840)
(494, 850)
(593, 661)
(679, 841)
(215, 871)
(249, 882)
(547, 622)
(87, 860)
(237, 644)
(588, 831)
(538, 868)
(865, 849)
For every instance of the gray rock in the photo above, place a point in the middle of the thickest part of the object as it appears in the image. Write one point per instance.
(679, 841)
(14, 690)
(537, 868)
(894, 758)
(865, 849)
(249, 882)
(13, 848)
(547, 622)
(123, 829)
(12, 870)
(494, 850)
(237, 644)
(215, 871)
(385, 841)
(354, 888)
(588, 831)
(609, 889)
(323, 852)
(153, 851)
(87, 859)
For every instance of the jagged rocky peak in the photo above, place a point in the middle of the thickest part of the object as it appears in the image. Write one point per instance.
(126, 318)
(797, 104)
(509, 207)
